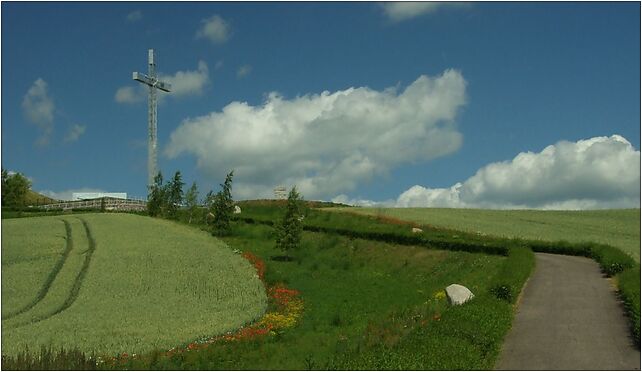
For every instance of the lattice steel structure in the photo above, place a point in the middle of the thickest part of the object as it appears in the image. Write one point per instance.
(153, 83)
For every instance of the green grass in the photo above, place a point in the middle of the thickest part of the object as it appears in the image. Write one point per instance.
(351, 288)
(130, 284)
(62, 286)
(619, 228)
(364, 296)
(28, 260)
(372, 304)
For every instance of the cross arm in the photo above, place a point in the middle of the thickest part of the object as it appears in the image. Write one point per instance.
(166, 87)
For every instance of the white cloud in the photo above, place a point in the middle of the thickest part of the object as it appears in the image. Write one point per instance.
(324, 143)
(184, 83)
(134, 16)
(402, 10)
(130, 94)
(67, 194)
(75, 132)
(441, 197)
(600, 172)
(188, 82)
(38, 107)
(215, 29)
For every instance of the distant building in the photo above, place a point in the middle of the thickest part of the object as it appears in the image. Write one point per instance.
(96, 195)
(280, 192)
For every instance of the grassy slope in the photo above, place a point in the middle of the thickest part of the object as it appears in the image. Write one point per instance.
(620, 228)
(357, 294)
(149, 283)
(28, 259)
(368, 305)
(34, 198)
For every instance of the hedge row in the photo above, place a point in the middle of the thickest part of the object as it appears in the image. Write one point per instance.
(400, 238)
(611, 260)
(629, 288)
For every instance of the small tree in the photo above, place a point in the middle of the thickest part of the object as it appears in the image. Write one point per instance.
(209, 206)
(288, 233)
(14, 190)
(191, 199)
(174, 196)
(156, 197)
(223, 207)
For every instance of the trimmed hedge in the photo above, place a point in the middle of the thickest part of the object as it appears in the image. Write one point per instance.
(629, 289)
(459, 243)
(612, 260)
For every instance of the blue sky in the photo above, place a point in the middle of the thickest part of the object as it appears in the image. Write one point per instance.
(444, 99)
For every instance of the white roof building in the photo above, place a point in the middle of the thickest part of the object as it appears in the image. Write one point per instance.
(96, 195)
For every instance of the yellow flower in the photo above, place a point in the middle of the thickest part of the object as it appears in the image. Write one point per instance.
(439, 295)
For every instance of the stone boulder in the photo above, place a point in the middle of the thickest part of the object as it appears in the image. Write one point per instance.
(458, 294)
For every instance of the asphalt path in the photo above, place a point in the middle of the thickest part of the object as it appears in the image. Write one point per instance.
(569, 318)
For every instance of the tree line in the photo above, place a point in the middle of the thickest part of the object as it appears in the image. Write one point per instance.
(165, 200)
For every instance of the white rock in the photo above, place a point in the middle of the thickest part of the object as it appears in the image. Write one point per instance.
(237, 209)
(417, 230)
(458, 294)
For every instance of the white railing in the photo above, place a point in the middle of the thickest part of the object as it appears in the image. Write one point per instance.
(109, 204)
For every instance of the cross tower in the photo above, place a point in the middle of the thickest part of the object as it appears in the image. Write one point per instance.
(153, 83)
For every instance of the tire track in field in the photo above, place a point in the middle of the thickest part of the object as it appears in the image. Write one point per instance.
(50, 278)
(73, 295)
(75, 289)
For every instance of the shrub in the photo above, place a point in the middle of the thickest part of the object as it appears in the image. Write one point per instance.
(223, 206)
(288, 237)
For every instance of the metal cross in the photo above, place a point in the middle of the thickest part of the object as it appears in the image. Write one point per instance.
(153, 83)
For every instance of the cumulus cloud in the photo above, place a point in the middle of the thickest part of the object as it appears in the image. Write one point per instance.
(243, 71)
(74, 133)
(184, 83)
(402, 10)
(325, 143)
(134, 16)
(215, 29)
(600, 172)
(38, 108)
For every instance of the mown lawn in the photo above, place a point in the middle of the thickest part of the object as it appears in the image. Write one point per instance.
(619, 228)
